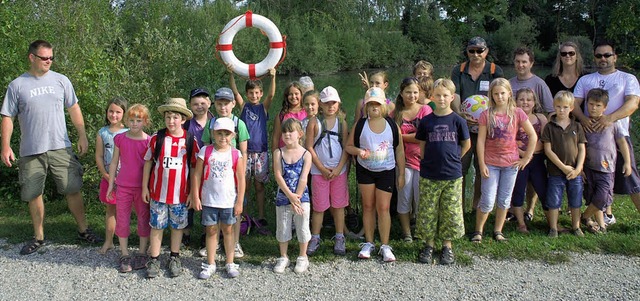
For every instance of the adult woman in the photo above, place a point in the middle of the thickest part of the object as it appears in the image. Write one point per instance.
(567, 68)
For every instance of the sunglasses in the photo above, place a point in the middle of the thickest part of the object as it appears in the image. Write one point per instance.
(567, 53)
(44, 58)
(476, 51)
(605, 55)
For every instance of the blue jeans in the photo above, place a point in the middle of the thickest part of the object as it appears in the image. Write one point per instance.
(555, 190)
(498, 187)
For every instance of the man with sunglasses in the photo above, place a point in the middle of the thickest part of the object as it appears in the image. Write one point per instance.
(473, 77)
(624, 95)
(523, 62)
(38, 98)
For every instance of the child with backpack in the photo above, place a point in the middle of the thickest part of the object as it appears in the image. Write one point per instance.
(291, 165)
(376, 142)
(224, 102)
(165, 183)
(220, 173)
(324, 140)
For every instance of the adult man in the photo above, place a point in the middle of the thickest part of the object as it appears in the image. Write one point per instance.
(523, 62)
(38, 98)
(624, 95)
(472, 78)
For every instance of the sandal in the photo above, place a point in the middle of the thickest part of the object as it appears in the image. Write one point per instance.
(125, 264)
(139, 261)
(89, 236)
(499, 237)
(476, 237)
(32, 247)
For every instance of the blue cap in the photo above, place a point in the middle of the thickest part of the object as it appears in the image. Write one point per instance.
(224, 93)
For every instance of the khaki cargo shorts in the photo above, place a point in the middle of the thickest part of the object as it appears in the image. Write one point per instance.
(63, 165)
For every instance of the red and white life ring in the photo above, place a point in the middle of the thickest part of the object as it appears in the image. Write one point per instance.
(276, 45)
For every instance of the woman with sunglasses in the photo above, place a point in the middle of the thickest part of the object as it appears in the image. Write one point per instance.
(567, 68)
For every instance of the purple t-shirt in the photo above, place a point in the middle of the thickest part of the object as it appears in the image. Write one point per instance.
(131, 160)
(255, 118)
(601, 148)
(442, 134)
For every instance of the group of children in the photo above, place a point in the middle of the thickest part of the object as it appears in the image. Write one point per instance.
(415, 145)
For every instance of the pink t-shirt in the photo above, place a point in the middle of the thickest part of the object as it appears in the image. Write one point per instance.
(412, 150)
(131, 160)
(300, 115)
(501, 149)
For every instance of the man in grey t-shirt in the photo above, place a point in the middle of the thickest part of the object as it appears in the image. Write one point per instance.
(38, 98)
(523, 60)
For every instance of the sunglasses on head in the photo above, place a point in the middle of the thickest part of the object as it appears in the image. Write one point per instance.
(44, 58)
(605, 55)
(476, 51)
(567, 53)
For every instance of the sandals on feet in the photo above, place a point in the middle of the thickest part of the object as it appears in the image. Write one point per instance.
(89, 236)
(32, 247)
(476, 237)
(139, 261)
(499, 237)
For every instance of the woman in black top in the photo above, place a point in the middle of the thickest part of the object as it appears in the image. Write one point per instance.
(567, 68)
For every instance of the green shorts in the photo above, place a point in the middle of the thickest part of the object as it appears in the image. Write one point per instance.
(63, 165)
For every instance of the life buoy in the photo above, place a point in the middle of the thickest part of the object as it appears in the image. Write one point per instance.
(276, 45)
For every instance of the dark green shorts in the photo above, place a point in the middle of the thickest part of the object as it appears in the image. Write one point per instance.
(63, 165)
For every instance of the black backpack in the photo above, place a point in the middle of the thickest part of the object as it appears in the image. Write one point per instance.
(324, 132)
(360, 125)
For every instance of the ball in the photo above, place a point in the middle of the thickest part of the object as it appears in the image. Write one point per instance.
(474, 105)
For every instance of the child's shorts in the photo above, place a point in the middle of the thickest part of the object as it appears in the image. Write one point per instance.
(555, 190)
(163, 214)
(598, 188)
(331, 193)
(384, 180)
(104, 185)
(258, 166)
(285, 216)
(213, 216)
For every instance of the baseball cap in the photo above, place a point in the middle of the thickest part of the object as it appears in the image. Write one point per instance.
(477, 42)
(224, 93)
(224, 123)
(329, 94)
(375, 94)
(199, 91)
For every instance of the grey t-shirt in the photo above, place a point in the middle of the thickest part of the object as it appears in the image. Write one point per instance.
(39, 103)
(538, 86)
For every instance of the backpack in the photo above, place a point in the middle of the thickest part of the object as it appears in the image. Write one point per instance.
(324, 132)
(235, 130)
(162, 133)
(235, 154)
(493, 68)
(360, 125)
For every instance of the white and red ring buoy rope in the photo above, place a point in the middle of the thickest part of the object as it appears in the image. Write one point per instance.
(277, 45)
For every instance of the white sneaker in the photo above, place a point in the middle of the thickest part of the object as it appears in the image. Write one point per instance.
(207, 270)
(367, 248)
(609, 220)
(387, 255)
(302, 264)
(202, 252)
(281, 264)
(232, 270)
(238, 253)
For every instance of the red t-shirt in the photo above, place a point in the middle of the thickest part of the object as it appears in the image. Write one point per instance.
(501, 149)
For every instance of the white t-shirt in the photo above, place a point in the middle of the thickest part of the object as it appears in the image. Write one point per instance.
(382, 155)
(219, 188)
(618, 84)
(329, 150)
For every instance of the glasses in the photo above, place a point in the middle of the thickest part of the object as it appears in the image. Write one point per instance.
(605, 55)
(476, 51)
(44, 58)
(567, 53)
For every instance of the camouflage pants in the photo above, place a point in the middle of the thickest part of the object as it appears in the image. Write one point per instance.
(440, 215)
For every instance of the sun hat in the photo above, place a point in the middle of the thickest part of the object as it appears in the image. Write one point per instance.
(225, 94)
(224, 123)
(375, 94)
(178, 105)
(329, 94)
(199, 91)
(477, 42)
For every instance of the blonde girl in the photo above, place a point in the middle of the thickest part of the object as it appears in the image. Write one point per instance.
(535, 172)
(130, 148)
(326, 135)
(104, 153)
(407, 115)
(498, 158)
(291, 108)
(377, 144)
(380, 80)
(291, 165)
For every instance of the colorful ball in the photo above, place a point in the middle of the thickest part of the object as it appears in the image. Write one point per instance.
(474, 105)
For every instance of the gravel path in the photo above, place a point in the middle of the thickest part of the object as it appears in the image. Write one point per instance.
(70, 272)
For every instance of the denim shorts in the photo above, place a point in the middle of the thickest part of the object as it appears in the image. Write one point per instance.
(555, 190)
(212, 216)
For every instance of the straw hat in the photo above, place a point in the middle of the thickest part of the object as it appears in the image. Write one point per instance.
(178, 105)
